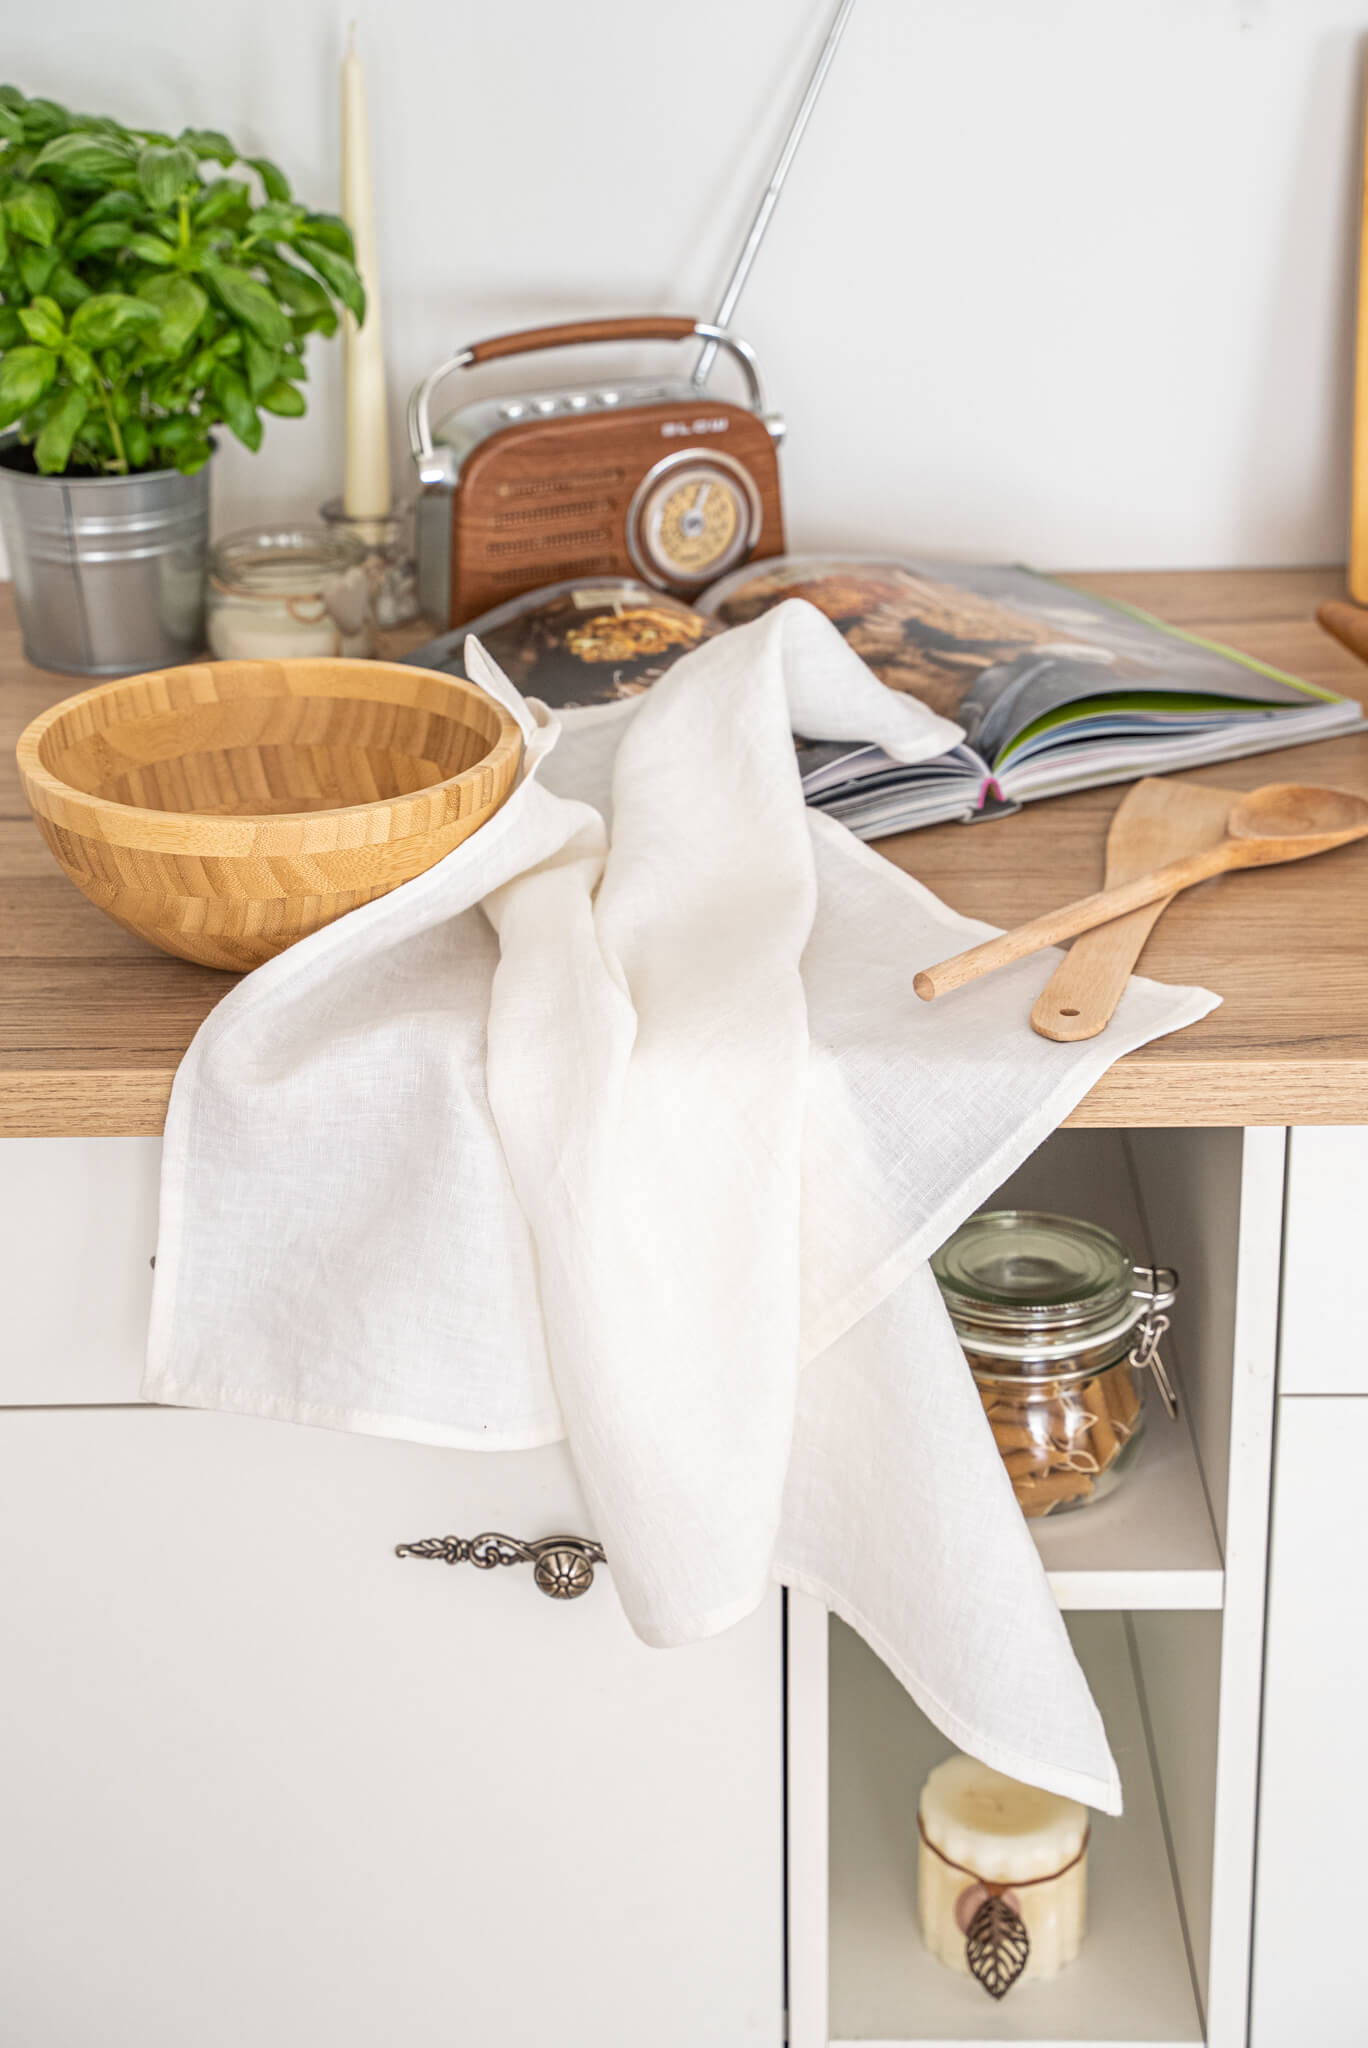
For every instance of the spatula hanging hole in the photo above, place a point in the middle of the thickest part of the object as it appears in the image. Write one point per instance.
(1068, 1013)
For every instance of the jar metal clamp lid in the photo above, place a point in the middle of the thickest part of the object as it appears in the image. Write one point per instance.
(1053, 1299)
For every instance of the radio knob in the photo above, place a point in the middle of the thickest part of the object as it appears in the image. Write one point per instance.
(514, 410)
(578, 401)
(608, 397)
(548, 405)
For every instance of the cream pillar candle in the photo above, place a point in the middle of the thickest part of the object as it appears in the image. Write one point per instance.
(366, 488)
(980, 1829)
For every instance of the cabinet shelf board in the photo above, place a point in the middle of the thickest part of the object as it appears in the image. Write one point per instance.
(1150, 1544)
(1131, 1987)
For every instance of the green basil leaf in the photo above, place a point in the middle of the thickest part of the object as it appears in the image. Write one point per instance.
(111, 318)
(182, 306)
(315, 323)
(165, 173)
(337, 274)
(274, 182)
(36, 267)
(332, 231)
(221, 197)
(43, 119)
(238, 409)
(67, 288)
(80, 364)
(52, 449)
(33, 212)
(203, 142)
(110, 206)
(100, 237)
(274, 222)
(25, 374)
(85, 158)
(248, 302)
(185, 439)
(302, 293)
(151, 249)
(43, 322)
(295, 368)
(282, 398)
(10, 330)
(176, 433)
(137, 443)
(262, 366)
(11, 127)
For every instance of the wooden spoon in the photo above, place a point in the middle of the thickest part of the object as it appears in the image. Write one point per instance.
(1280, 822)
(1157, 821)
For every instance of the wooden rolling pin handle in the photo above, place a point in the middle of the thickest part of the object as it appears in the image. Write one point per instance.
(1073, 918)
(1347, 623)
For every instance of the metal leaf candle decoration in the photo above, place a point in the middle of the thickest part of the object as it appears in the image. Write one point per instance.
(997, 1946)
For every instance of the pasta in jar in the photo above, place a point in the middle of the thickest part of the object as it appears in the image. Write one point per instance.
(1058, 1326)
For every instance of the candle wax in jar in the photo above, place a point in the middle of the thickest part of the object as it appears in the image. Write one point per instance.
(1004, 1832)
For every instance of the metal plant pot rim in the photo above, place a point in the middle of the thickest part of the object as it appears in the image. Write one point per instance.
(9, 440)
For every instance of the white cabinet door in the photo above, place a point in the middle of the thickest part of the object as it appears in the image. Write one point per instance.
(266, 1783)
(1311, 1900)
(78, 1227)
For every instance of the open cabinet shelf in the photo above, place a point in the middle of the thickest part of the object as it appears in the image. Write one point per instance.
(1163, 1583)
(1150, 1544)
(1132, 1982)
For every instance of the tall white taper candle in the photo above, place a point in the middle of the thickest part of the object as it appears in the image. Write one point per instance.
(366, 489)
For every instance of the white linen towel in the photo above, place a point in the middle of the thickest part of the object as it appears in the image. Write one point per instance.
(624, 1123)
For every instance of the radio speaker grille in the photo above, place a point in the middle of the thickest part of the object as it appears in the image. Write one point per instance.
(559, 486)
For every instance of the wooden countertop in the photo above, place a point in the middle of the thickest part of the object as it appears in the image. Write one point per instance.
(93, 1022)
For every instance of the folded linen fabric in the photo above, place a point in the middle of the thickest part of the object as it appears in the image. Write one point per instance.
(623, 1123)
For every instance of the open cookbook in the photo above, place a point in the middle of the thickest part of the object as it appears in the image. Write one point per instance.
(1053, 689)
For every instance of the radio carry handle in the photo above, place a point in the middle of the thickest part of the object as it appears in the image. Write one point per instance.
(436, 466)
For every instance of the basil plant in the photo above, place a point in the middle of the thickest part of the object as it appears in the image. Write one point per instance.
(152, 288)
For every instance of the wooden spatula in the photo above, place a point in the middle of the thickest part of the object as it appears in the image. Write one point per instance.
(1283, 821)
(1159, 821)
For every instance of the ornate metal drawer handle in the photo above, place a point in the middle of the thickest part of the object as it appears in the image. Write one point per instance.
(563, 1566)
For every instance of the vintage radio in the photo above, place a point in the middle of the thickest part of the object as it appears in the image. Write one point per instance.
(661, 480)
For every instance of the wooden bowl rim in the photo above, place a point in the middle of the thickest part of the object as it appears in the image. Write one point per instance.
(242, 833)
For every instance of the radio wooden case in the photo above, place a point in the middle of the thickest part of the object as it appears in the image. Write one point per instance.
(662, 481)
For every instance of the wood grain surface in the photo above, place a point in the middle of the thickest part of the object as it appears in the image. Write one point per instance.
(227, 808)
(544, 500)
(1282, 821)
(93, 1022)
(1155, 822)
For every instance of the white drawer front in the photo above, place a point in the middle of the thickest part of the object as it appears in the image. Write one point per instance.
(279, 1786)
(78, 1227)
(1324, 1345)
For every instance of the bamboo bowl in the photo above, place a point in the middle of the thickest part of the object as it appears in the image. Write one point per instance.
(226, 809)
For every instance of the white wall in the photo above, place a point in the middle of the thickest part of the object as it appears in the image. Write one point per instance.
(1066, 280)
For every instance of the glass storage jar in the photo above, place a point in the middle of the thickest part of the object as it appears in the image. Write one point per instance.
(1058, 1324)
(279, 592)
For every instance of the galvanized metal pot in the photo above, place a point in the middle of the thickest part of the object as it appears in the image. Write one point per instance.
(108, 570)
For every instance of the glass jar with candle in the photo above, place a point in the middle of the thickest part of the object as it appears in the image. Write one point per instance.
(1002, 1875)
(1057, 1324)
(283, 591)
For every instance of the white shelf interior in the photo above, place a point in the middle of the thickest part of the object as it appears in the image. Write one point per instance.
(1152, 1543)
(1131, 1984)
(1149, 1544)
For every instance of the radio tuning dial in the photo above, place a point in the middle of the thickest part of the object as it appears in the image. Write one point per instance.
(692, 517)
